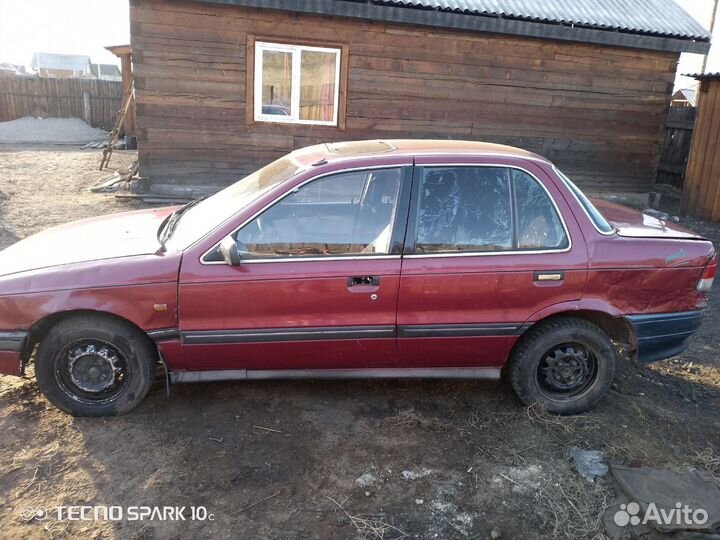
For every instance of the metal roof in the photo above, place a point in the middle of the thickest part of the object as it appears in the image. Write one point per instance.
(641, 24)
(657, 17)
(705, 76)
(107, 70)
(68, 62)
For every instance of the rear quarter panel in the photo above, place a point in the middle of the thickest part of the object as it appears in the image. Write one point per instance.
(647, 275)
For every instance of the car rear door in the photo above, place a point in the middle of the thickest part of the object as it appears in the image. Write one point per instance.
(490, 243)
(317, 284)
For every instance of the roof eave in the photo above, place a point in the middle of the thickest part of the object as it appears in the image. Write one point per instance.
(704, 76)
(479, 23)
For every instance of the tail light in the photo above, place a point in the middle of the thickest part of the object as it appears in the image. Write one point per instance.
(708, 275)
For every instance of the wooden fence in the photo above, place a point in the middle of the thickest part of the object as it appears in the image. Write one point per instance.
(97, 102)
(676, 147)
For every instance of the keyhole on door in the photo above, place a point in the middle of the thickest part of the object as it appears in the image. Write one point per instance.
(373, 296)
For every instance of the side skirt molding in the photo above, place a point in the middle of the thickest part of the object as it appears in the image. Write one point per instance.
(264, 335)
(488, 373)
(12, 341)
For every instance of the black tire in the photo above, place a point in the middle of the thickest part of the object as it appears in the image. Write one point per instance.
(94, 365)
(566, 365)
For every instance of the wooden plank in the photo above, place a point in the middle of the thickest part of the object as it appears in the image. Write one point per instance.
(250, 81)
(156, 97)
(711, 163)
(699, 150)
(478, 71)
(211, 89)
(235, 75)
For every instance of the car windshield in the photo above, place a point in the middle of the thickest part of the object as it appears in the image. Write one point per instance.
(213, 211)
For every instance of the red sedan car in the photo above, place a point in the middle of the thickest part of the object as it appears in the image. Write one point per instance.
(363, 259)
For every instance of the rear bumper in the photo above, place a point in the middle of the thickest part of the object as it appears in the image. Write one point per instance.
(11, 344)
(661, 336)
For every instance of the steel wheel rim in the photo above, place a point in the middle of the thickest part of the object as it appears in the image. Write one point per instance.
(92, 371)
(567, 371)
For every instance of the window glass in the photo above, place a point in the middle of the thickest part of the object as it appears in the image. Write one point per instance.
(276, 82)
(296, 84)
(207, 214)
(317, 85)
(464, 209)
(344, 214)
(593, 213)
(538, 224)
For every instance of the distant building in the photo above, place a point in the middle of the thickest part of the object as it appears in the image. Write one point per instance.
(62, 65)
(10, 70)
(106, 72)
(687, 97)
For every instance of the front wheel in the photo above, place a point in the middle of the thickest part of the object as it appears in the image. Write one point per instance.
(95, 366)
(565, 365)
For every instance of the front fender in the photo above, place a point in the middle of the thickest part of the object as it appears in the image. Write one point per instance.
(149, 306)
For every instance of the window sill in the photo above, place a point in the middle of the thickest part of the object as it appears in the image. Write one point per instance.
(266, 120)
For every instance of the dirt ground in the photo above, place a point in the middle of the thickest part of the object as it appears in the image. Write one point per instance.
(330, 460)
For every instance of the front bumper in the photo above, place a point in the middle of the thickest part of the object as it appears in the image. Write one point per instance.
(663, 335)
(11, 345)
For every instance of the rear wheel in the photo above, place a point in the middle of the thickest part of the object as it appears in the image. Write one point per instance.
(95, 366)
(566, 365)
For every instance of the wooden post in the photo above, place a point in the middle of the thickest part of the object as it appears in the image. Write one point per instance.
(87, 108)
(124, 52)
(712, 28)
(126, 65)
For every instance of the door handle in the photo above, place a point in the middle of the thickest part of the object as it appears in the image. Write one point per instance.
(354, 281)
(549, 276)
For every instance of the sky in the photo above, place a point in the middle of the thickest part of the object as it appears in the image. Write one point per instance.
(87, 26)
(692, 63)
(62, 26)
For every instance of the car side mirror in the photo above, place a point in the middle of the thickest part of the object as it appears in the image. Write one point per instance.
(229, 251)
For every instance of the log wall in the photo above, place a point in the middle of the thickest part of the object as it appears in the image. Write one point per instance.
(598, 112)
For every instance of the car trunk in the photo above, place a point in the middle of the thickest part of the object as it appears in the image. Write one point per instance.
(633, 223)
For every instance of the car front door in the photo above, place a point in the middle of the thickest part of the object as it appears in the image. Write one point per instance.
(317, 284)
(488, 246)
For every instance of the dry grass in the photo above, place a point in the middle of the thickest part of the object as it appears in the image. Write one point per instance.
(573, 506)
(485, 419)
(568, 424)
(411, 419)
(708, 462)
(370, 528)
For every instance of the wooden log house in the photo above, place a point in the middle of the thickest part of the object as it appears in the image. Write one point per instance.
(226, 86)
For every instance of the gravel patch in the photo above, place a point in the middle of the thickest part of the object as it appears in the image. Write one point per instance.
(49, 130)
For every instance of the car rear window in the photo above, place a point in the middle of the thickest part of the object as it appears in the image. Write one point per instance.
(598, 221)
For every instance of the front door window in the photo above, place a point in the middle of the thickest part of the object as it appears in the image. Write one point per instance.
(347, 214)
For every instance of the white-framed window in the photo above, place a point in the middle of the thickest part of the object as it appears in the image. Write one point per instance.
(296, 84)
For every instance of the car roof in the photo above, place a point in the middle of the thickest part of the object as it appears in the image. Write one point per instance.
(409, 147)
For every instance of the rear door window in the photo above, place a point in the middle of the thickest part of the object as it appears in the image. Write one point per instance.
(538, 224)
(484, 210)
(464, 209)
